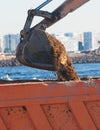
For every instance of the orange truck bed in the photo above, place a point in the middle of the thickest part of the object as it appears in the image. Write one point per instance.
(50, 105)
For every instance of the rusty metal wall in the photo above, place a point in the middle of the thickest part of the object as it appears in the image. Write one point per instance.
(50, 105)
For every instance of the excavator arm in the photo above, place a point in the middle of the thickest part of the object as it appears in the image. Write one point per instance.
(35, 47)
(35, 12)
(67, 7)
(51, 18)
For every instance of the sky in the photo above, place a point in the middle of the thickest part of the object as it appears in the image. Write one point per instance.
(13, 15)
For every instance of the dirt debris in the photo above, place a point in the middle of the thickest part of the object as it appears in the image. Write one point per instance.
(62, 62)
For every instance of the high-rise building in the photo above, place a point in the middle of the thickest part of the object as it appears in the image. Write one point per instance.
(80, 46)
(10, 43)
(88, 41)
(1, 44)
(70, 43)
(96, 38)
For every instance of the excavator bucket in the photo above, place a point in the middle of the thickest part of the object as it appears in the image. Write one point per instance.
(41, 50)
(35, 50)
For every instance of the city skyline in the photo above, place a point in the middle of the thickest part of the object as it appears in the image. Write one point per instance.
(73, 42)
(13, 15)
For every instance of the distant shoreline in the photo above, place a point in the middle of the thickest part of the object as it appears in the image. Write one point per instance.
(91, 57)
(8, 60)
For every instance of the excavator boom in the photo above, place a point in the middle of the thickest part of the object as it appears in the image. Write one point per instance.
(67, 7)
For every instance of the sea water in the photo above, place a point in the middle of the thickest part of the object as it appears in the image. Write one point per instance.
(28, 73)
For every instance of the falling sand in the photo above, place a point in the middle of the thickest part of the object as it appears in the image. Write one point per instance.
(62, 62)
